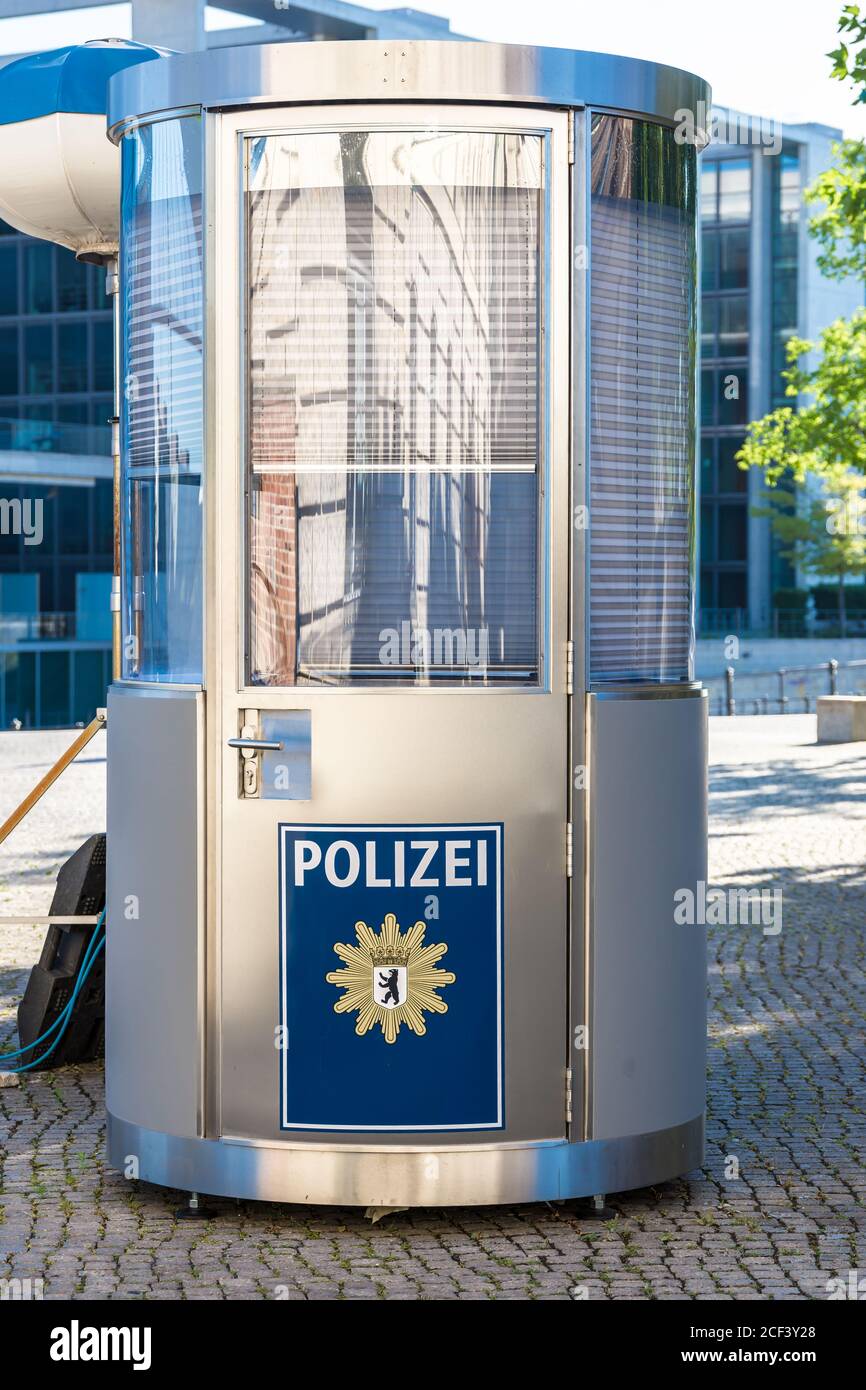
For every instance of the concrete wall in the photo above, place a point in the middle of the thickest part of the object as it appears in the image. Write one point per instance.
(769, 653)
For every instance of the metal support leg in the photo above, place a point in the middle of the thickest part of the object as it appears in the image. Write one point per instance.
(598, 1210)
(194, 1210)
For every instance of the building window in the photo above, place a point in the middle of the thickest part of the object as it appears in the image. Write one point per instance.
(72, 356)
(48, 406)
(733, 326)
(71, 284)
(735, 189)
(38, 359)
(731, 533)
(726, 212)
(733, 258)
(103, 355)
(785, 217)
(731, 594)
(38, 277)
(730, 477)
(9, 279)
(8, 363)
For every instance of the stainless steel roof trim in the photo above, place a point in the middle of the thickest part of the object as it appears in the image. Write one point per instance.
(376, 70)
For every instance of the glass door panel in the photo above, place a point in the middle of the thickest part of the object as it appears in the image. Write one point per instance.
(394, 440)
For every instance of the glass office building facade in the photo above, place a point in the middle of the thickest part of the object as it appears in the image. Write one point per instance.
(760, 285)
(56, 503)
(726, 187)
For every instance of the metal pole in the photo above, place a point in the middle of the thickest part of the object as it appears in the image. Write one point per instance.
(729, 690)
(783, 699)
(833, 669)
(52, 775)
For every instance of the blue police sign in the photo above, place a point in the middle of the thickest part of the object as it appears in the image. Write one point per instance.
(391, 977)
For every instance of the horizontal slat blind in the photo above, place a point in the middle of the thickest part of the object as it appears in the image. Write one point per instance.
(641, 443)
(394, 328)
(163, 350)
(162, 414)
(394, 407)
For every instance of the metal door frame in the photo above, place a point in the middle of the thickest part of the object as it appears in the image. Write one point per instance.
(225, 582)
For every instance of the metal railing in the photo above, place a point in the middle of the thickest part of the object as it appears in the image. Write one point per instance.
(787, 690)
(784, 622)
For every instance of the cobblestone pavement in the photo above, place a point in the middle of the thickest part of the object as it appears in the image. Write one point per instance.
(786, 1098)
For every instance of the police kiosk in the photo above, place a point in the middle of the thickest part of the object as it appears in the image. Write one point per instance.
(406, 758)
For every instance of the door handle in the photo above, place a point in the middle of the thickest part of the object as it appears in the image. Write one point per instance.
(251, 749)
(256, 745)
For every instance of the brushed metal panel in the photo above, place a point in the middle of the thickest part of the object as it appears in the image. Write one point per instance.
(471, 1175)
(152, 982)
(410, 759)
(419, 70)
(647, 838)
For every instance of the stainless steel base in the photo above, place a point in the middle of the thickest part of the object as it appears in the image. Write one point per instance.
(340, 1175)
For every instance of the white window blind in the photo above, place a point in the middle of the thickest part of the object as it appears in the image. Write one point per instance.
(394, 405)
(642, 407)
(162, 421)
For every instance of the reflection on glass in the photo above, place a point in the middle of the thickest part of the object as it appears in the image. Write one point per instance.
(9, 279)
(735, 183)
(732, 392)
(708, 482)
(708, 537)
(709, 326)
(710, 259)
(71, 281)
(161, 278)
(72, 356)
(734, 326)
(394, 406)
(103, 358)
(38, 360)
(734, 258)
(788, 175)
(9, 356)
(38, 282)
(732, 532)
(642, 447)
(709, 184)
(731, 477)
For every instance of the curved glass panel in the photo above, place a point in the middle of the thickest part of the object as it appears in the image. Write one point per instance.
(394, 406)
(162, 419)
(642, 427)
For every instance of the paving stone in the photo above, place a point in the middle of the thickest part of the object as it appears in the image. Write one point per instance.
(786, 1065)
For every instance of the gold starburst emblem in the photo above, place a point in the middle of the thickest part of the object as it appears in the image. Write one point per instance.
(390, 977)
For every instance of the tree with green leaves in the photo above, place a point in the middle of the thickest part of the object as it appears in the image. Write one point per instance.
(823, 530)
(839, 225)
(823, 437)
(828, 428)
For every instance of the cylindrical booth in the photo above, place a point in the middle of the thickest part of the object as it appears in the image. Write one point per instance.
(407, 761)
